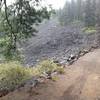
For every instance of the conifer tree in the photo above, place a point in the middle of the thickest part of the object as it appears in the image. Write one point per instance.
(90, 13)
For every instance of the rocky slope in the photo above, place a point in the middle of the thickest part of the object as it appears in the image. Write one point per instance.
(57, 42)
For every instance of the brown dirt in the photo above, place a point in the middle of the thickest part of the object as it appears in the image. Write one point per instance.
(80, 82)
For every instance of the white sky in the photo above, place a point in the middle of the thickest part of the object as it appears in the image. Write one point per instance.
(56, 4)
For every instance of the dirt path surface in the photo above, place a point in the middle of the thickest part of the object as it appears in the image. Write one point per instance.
(80, 82)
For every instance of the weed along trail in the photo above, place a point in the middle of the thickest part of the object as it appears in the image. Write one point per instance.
(81, 81)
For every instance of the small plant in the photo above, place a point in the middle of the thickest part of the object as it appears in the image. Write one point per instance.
(60, 70)
(54, 78)
(47, 66)
(89, 30)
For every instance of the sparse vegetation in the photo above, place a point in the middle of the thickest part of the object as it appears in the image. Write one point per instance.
(47, 66)
(89, 30)
(60, 70)
(55, 78)
(13, 74)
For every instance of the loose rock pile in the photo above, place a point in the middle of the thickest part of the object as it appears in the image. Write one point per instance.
(56, 42)
(74, 57)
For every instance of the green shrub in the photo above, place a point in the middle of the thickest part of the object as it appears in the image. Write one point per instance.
(47, 66)
(12, 75)
(89, 30)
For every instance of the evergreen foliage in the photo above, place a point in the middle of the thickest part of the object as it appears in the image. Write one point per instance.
(87, 11)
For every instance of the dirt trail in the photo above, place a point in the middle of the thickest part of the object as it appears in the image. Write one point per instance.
(80, 82)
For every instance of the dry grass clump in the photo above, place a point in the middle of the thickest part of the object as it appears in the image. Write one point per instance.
(12, 75)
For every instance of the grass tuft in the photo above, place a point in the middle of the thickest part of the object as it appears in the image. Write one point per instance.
(46, 66)
(60, 70)
(55, 78)
(89, 30)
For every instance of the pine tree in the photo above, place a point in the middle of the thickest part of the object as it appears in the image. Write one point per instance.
(98, 12)
(93, 7)
(79, 9)
(73, 10)
(89, 13)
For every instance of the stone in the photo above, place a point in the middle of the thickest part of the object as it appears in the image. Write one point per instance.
(31, 82)
(72, 56)
(56, 61)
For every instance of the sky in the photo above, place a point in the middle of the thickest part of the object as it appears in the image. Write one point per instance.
(56, 4)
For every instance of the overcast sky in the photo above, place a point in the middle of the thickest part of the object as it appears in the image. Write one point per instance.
(56, 4)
